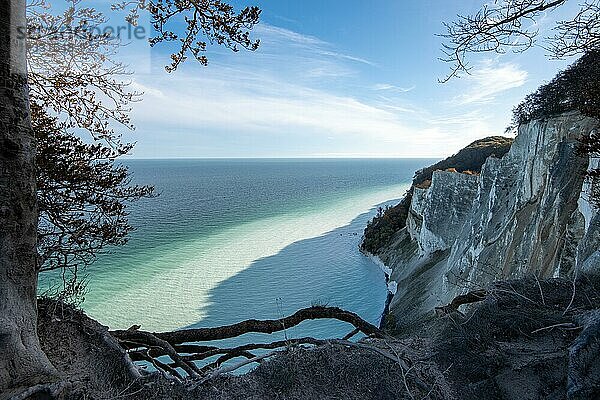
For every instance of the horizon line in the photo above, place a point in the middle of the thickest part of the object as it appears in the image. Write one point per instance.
(286, 158)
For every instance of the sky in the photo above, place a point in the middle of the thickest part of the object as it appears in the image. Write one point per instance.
(332, 78)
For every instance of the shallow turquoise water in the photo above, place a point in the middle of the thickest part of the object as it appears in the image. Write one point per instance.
(229, 240)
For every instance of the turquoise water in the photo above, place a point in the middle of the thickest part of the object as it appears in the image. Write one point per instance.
(229, 240)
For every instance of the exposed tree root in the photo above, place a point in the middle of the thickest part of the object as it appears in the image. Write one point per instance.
(180, 346)
(258, 326)
(474, 296)
(153, 341)
(226, 369)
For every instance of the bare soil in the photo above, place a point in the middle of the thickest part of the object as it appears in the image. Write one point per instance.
(526, 340)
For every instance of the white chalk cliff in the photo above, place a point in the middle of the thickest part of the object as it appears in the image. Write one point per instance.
(527, 213)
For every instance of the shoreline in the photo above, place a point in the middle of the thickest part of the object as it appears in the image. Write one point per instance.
(392, 286)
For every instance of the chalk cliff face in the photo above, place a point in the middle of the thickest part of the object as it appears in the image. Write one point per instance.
(527, 213)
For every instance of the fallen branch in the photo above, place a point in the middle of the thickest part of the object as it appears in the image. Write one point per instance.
(167, 371)
(138, 351)
(569, 325)
(152, 340)
(146, 346)
(231, 368)
(229, 356)
(474, 296)
(255, 326)
(350, 335)
(241, 351)
(381, 352)
(255, 346)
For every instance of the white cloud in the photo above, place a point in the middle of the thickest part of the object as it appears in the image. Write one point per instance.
(271, 91)
(269, 33)
(256, 106)
(393, 88)
(288, 94)
(281, 39)
(346, 57)
(489, 80)
(263, 105)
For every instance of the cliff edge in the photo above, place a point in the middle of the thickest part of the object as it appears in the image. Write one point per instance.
(469, 160)
(521, 209)
(526, 213)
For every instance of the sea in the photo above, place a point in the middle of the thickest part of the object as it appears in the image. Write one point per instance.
(227, 240)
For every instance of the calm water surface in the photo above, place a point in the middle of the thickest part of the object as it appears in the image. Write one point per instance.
(229, 240)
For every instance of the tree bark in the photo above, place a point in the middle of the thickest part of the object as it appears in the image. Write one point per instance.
(254, 326)
(146, 346)
(22, 362)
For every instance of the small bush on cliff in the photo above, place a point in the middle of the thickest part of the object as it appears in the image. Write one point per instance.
(388, 221)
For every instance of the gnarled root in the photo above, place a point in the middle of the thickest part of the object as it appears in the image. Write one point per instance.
(474, 296)
(146, 346)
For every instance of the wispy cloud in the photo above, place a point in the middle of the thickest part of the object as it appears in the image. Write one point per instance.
(267, 107)
(269, 33)
(262, 104)
(346, 57)
(301, 96)
(392, 88)
(271, 91)
(490, 79)
(281, 38)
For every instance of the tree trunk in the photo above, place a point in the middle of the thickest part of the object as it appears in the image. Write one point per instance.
(22, 362)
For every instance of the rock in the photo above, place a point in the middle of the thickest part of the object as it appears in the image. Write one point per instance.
(525, 214)
(468, 161)
(584, 359)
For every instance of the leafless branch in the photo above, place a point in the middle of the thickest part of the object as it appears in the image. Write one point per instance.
(495, 28)
(181, 348)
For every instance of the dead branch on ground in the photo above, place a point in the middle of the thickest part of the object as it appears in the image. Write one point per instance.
(474, 296)
(183, 348)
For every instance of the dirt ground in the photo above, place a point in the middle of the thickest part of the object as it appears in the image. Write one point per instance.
(527, 340)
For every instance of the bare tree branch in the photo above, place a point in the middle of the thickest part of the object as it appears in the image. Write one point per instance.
(257, 326)
(506, 24)
(578, 35)
(180, 347)
(216, 21)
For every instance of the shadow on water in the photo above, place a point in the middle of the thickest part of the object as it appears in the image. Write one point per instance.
(324, 270)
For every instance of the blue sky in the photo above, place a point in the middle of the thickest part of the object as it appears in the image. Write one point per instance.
(332, 78)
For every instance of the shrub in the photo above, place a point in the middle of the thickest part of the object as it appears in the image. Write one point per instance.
(388, 221)
(576, 88)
